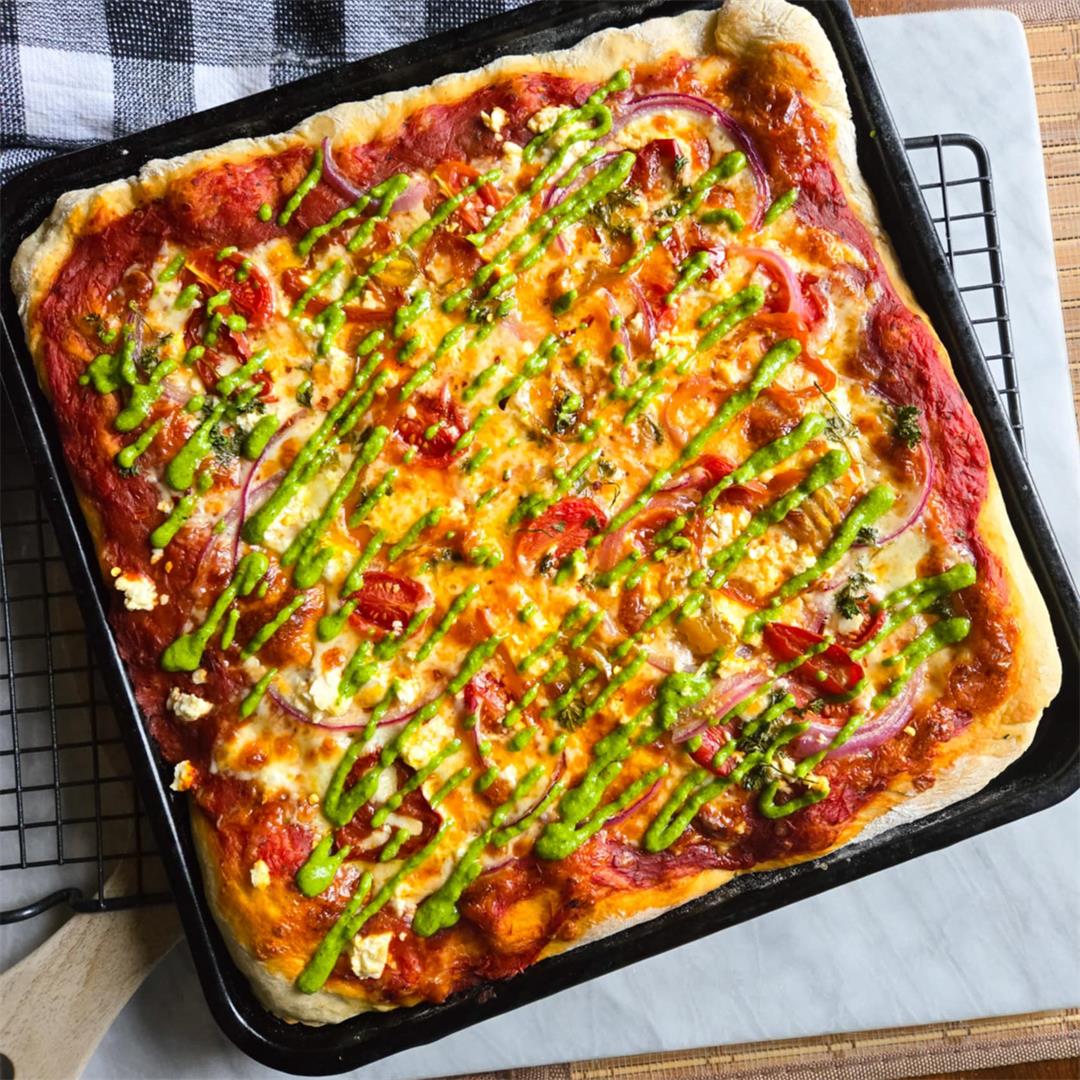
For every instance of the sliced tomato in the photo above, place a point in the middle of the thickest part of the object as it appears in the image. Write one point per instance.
(559, 530)
(871, 624)
(250, 297)
(386, 601)
(817, 303)
(708, 470)
(831, 671)
(788, 324)
(453, 176)
(654, 166)
(487, 696)
(712, 738)
(432, 423)
(414, 806)
(283, 847)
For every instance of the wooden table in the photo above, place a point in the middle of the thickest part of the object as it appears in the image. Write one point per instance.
(1034, 1046)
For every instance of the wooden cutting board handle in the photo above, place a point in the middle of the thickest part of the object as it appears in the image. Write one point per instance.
(57, 1003)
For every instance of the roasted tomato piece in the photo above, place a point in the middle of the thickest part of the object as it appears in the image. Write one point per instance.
(831, 671)
(453, 176)
(249, 296)
(654, 166)
(358, 831)
(560, 529)
(386, 601)
(432, 423)
(708, 470)
(871, 624)
(712, 738)
(487, 696)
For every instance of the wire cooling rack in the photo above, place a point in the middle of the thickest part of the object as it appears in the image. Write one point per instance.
(69, 811)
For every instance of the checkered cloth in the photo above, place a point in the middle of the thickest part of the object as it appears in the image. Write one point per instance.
(78, 72)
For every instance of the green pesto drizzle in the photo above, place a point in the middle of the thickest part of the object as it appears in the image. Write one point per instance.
(255, 695)
(868, 509)
(314, 175)
(229, 630)
(186, 651)
(691, 269)
(329, 626)
(770, 366)
(174, 267)
(257, 439)
(354, 917)
(304, 551)
(128, 455)
(825, 470)
(254, 529)
(453, 613)
(439, 910)
(316, 287)
(726, 315)
(412, 534)
(181, 511)
(269, 629)
(780, 204)
(321, 867)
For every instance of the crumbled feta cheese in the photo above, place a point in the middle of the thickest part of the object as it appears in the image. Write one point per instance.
(547, 116)
(850, 626)
(156, 556)
(511, 149)
(165, 504)
(408, 690)
(260, 874)
(188, 706)
(140, 593)
(368, 955)
(495, 120)
(184, 776)
(637, 323)
(198, 676)
(426, 742)
(323, 692)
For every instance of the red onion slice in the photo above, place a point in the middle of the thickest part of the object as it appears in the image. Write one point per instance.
(334, 723)
(929, 473)
(646, 312)
(873, 732)
(555, 777)
(335, 177)
(670, 503)
(735, 132)
(419, 188)
(723, 697)
(622, 815)
(776, 262)
(669, 415)
(556, 194)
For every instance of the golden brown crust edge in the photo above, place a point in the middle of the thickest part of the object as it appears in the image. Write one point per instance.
(742, 30)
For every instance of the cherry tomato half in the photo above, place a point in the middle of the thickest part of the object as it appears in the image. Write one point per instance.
(712, 738)
(831, 671)
(560, 529)
(386, 601)
(438, 415)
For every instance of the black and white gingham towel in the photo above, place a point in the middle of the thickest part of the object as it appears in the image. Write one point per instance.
(78, 72)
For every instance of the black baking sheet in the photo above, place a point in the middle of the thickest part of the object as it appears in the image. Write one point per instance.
(1044, 775)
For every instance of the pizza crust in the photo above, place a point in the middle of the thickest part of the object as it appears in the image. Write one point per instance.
(743, 29)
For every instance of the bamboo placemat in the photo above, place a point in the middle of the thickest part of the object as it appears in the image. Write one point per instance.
(937, 1050)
